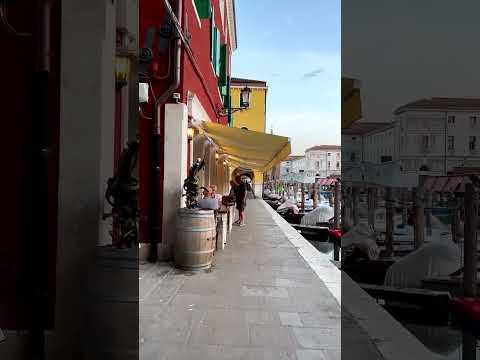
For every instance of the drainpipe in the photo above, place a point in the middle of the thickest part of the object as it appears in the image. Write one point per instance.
(157, 143)
(38, 238)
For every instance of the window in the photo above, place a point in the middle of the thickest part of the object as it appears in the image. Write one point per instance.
(473, 121)
(472, 143)
(338, 165)
(328, 164)
(352, 157)
(451, 119)
(451, 143)
(317, 164)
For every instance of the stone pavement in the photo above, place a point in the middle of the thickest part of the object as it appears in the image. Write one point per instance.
(260, 300)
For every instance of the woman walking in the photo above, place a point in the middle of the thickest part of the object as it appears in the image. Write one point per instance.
(240, 190)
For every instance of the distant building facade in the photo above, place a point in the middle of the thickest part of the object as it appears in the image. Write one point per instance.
(441, 133)
(319, 162)
(323, 161)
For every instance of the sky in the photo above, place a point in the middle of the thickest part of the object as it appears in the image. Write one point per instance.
(400, 55)
(295, 48)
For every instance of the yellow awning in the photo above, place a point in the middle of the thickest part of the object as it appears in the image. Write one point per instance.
(248, 149)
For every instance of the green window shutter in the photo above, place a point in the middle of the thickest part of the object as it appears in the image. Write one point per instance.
(214, 50)
(213, 41)
(204, 8)
(218, 51)
(222, 77)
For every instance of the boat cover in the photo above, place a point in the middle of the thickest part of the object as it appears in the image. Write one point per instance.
(322, 214)
(289, 204)
(363, 238)
(438, 258)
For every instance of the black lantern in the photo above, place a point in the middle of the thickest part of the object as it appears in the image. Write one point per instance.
(245, 98)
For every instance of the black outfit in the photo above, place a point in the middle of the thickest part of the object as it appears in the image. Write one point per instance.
(240, 191)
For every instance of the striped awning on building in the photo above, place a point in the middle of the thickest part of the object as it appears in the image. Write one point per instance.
(444, 184)
(328, 181)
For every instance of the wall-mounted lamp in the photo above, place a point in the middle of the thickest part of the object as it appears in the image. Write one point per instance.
(245, 97)
(122, 57)
(122, 70)
(190, 133)
(217, 156)
(244, 103)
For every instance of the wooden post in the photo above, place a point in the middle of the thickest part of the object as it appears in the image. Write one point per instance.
(389, 222)
(419, 224)
(336, 205)
(372, 193)
(428, 212)
(336, 218)
(469, 346)
(470, 242)
(303, 197)
(404, 206)
(355, 205)
(315, 196)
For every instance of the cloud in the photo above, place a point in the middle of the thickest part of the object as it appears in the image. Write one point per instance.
(313, 73)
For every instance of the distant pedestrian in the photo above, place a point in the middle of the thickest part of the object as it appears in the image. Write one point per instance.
(240, 189)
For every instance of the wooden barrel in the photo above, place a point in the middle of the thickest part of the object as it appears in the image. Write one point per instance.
(196, 239)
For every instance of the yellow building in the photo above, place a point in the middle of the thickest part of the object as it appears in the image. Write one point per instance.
(255, 116)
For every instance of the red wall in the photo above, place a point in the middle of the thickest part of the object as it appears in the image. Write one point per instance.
(152, 13)
(200, 46)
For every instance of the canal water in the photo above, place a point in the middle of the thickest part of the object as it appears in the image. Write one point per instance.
(445, 339)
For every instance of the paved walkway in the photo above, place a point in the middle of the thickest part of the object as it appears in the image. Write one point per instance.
(260, 300)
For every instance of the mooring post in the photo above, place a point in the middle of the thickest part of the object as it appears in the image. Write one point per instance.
(303, 197)
(404, 206)
(419, 223)
(315, 196)
(336, 218)
(428, 212)
(355, 205)
(470, 242)
(469, 346)
(389, 222)
(371, 206)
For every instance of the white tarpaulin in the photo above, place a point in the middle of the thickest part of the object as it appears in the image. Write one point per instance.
(440, 257)
(363, 238)
(322, 214)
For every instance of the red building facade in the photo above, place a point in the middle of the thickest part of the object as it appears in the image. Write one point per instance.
(185, 52)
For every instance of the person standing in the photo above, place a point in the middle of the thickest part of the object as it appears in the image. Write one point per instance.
(215, 195)
(240, 189)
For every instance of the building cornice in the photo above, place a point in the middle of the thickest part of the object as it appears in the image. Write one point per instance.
(232, 24)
